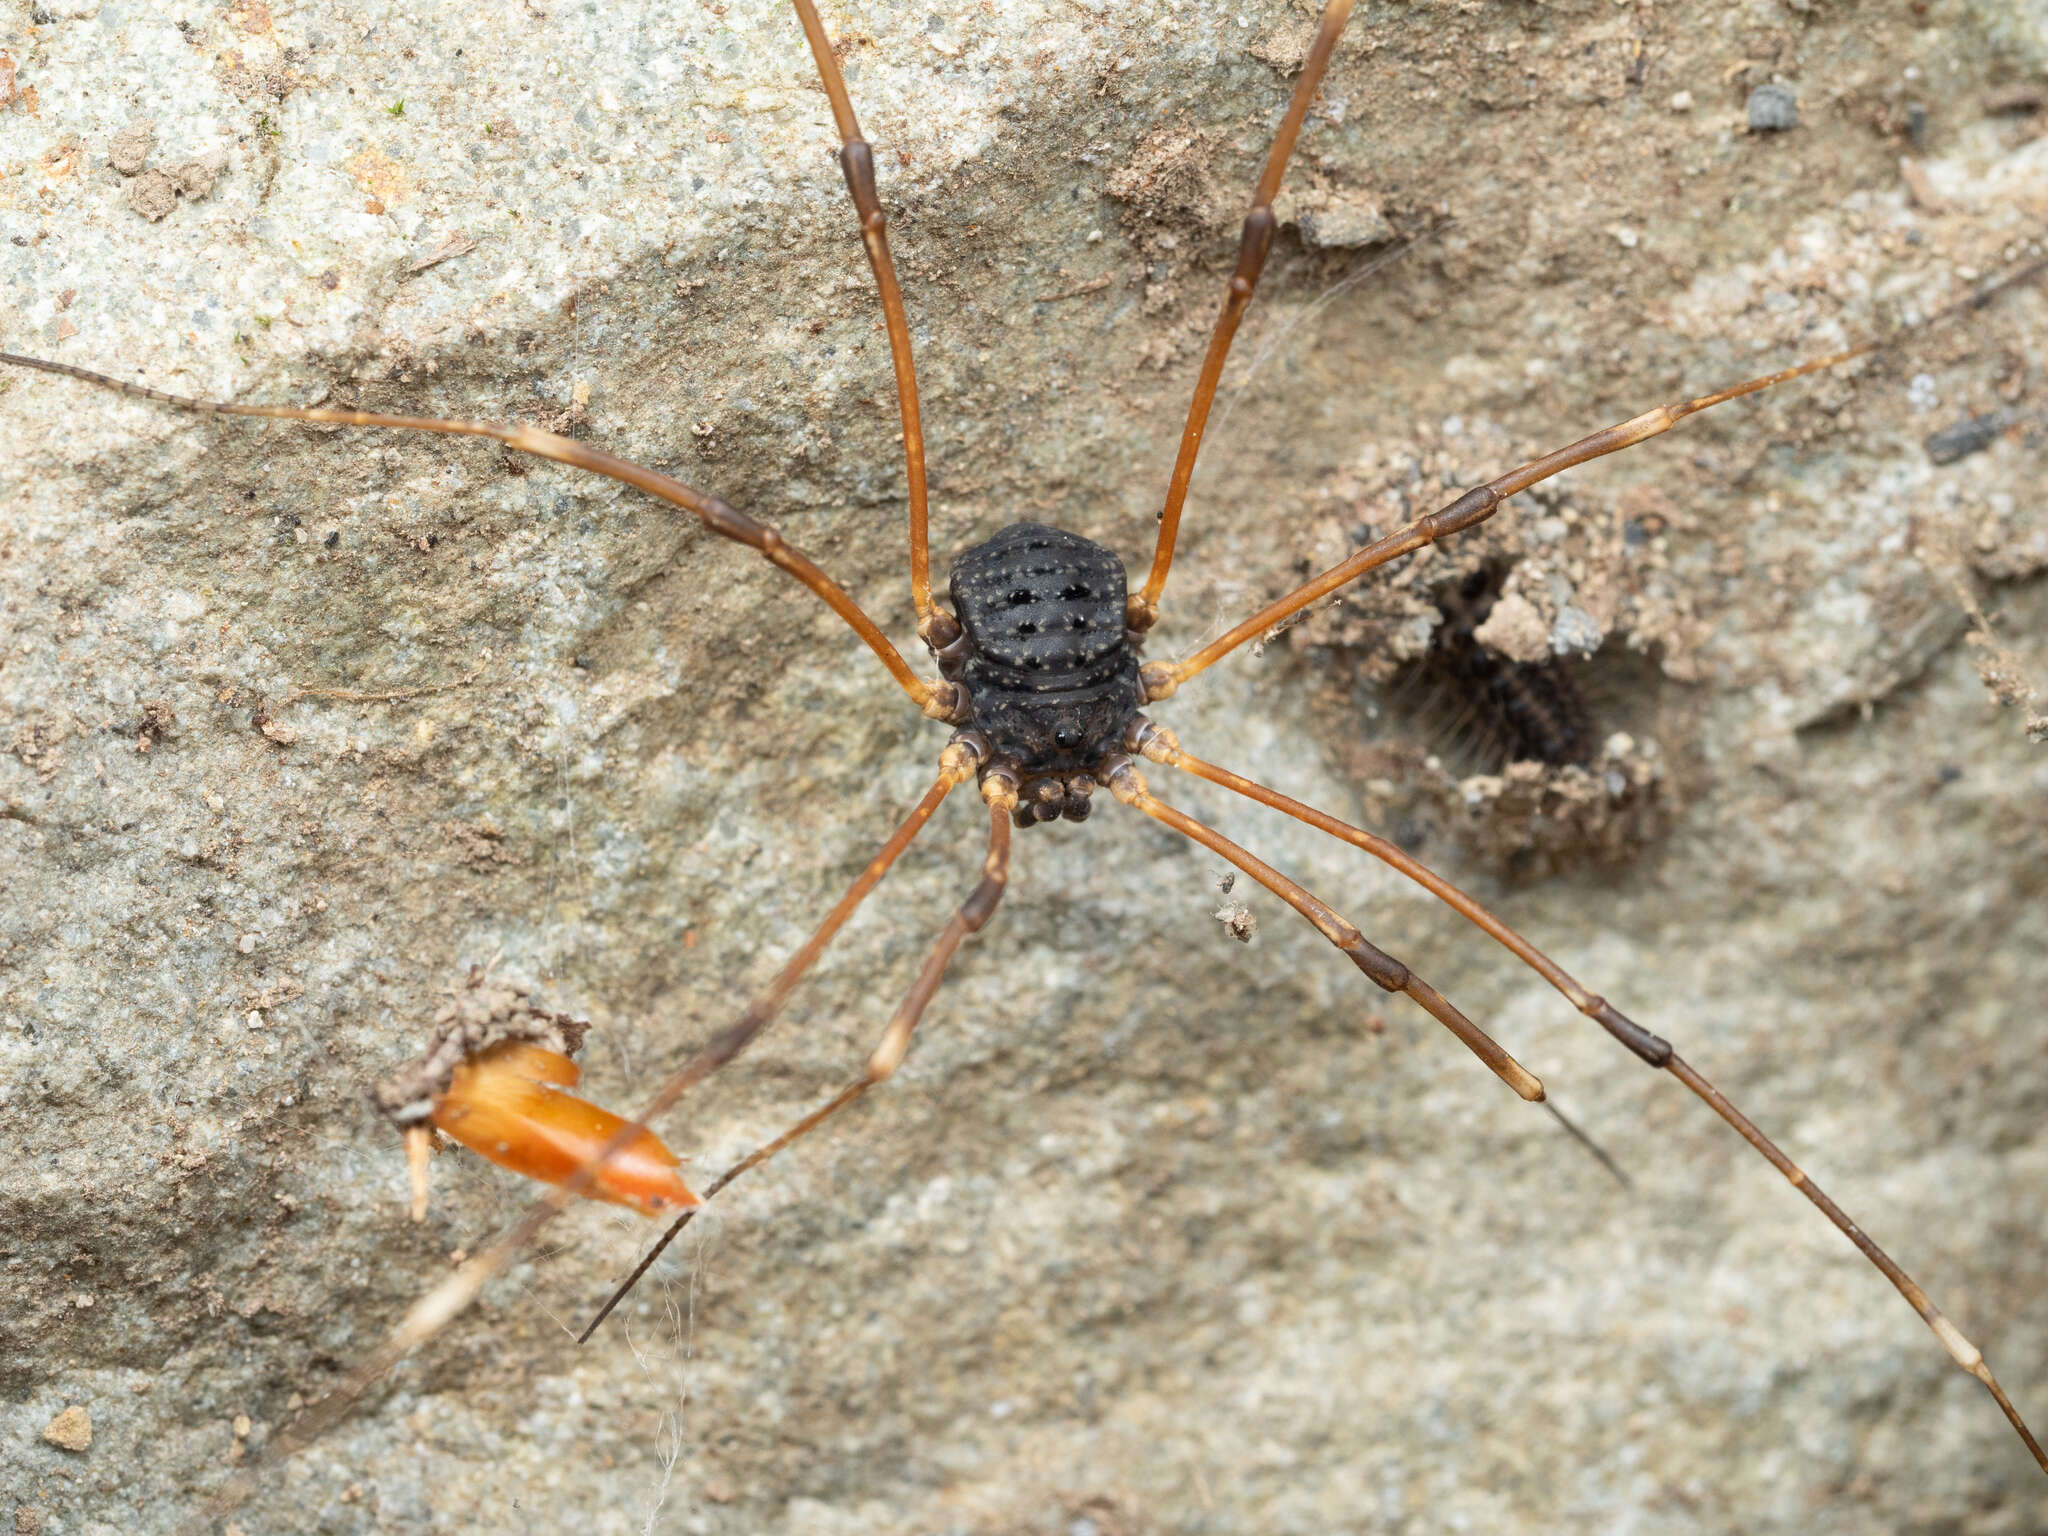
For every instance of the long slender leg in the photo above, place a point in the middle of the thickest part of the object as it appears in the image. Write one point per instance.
(441, 1305)
(1128, 785)
(857, 162)
(887, 1056)
(1160, 746)
(1254, 242)
(1477, 505)
(940, 700)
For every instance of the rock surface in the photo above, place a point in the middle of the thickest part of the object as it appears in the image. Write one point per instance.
(1156, 1231)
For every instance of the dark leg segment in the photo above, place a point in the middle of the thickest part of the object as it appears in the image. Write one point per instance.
(940, 700)
(1253, 244)
(980, 906)
(1128, 785)
(857, 162)
(1160, 746)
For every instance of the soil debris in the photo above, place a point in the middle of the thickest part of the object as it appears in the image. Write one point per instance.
(71, 1430)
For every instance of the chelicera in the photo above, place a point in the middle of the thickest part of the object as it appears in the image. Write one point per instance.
(1042, 679)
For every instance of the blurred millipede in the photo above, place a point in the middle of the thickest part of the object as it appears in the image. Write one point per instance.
(1492, 706)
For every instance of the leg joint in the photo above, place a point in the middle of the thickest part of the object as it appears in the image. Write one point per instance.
(857, 162)
(1475, 506)
(1252, 246)
(978, 908)
(1382, 968)
(1654, 1049)
(882, 1064)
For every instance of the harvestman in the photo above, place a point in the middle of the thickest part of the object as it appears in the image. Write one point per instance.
(1040, 676)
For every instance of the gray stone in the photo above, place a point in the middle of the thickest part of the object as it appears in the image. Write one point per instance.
(1575, 632)
(1346, 225)
(1773, 109)
(1155, 1230)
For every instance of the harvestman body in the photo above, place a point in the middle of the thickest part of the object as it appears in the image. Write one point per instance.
(1041, 677)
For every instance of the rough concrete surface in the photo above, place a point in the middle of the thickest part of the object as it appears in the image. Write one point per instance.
(1156, 1231)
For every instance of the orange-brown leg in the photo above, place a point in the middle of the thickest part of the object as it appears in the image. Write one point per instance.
(1162, 678)
(446, 1301)
(1128, 785)
(940, 700)
(1254, 242)
(1161, 746)
(857, 161)
(1001, 795)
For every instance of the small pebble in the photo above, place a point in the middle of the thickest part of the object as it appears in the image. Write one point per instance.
(128, 150)
(71, 1430)
(1681, 101)
(1773, 109)
(1575, 633)
(1916, 124)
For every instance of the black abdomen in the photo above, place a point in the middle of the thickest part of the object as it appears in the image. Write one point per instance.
(1050, 672)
